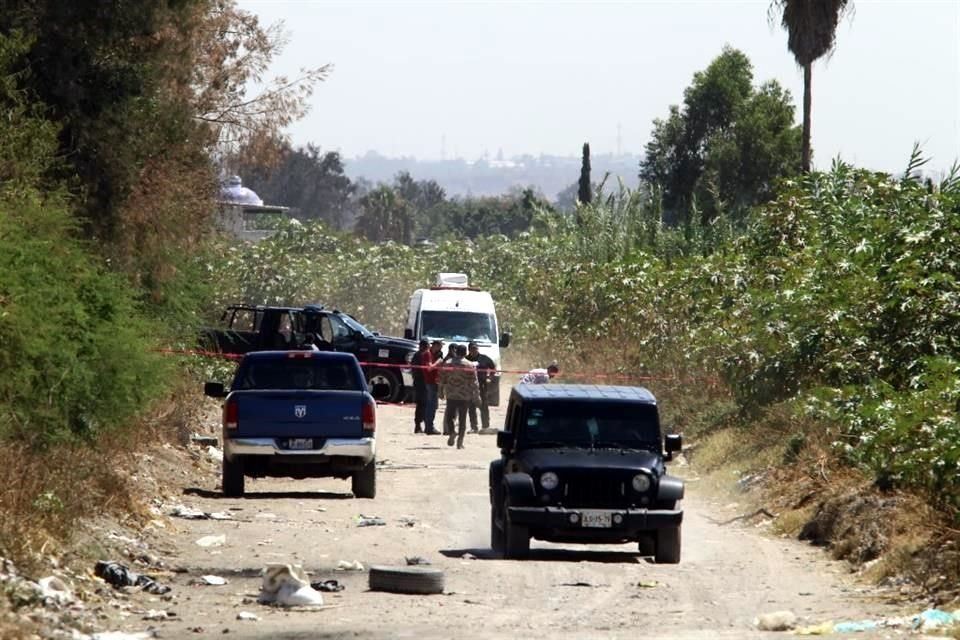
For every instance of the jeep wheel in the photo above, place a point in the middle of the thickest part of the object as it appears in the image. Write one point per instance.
(363, 483)
(497, 540)
(668, 546)
(516, 539)
(385, 385)
(233, 478)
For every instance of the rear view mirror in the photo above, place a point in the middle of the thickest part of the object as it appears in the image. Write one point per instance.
(214, 390)
(674, 442)
(504, 339)
(408, 334)
(504, 439)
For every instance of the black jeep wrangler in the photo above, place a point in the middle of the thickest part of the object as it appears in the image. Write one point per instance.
(585, 464)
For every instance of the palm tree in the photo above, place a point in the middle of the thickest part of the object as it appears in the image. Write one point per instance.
(811, 27)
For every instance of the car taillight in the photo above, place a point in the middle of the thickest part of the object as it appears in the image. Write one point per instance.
(369, 417)
(230, 414)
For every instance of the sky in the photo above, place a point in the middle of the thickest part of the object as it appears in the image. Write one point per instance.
(458, 79)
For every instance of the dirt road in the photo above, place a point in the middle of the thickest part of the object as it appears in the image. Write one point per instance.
(434, 501)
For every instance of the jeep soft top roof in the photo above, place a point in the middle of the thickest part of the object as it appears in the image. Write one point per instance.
(587, 392)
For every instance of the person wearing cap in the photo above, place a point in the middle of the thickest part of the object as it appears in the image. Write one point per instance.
(541, 376)
(421, 358)
(459, 380)
(485, 370)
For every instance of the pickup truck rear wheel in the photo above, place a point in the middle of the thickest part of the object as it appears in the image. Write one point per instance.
(363, 483)
(385, 385)
(668, 546)
(233, 478)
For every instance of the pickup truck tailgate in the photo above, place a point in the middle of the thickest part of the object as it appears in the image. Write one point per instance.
(298, 414)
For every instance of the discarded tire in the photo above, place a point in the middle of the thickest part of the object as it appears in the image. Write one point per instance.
(418, 580)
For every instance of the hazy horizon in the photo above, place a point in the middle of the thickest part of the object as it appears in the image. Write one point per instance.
(427, 80)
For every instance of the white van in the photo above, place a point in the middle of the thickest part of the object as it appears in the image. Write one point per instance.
(453, 311)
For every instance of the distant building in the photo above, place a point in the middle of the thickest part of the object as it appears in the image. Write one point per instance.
(240, 210)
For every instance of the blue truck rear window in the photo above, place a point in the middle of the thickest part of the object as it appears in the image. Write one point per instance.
(308, 373)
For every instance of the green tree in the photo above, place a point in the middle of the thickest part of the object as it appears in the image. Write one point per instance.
(584, 188)
(385, 216)
(811, 27)
(724, 148)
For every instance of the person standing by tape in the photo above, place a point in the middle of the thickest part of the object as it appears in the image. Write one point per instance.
(485, 370)
(459, 380)
(421, 358)
(431, 379)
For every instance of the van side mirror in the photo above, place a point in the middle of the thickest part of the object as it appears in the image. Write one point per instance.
(504, 439)
(214, 390)
(504, 339)
(673, 443)
(408, 334)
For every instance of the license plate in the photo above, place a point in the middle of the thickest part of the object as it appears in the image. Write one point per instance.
(596, 519)
(300, 443)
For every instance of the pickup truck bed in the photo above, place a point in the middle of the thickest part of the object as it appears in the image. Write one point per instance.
(298, 414)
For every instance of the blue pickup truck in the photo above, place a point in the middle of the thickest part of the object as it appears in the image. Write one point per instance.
(298, 414)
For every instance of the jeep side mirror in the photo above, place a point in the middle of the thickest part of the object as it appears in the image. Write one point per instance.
(504, 339)
(408, 334)
(504, 439)
(214, 390)
(674, 442)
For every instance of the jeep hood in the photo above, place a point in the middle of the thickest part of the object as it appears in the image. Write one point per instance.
(557, 459)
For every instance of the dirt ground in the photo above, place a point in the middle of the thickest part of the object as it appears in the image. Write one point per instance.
(434, 501)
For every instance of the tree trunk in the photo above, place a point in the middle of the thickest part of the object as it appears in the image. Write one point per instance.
(807, 83)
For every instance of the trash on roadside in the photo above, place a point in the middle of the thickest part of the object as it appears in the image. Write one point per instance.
(822, 629)
(247, 615)
(189, 513)
(648, 584)
(331, 586)
(54, 589)
(347, 565)
(123, 635)
(212, 541)
(287, 586)
(776, 621)
(416, 560)
(370, 521)
(211, 580)
(934, 619)
(856, 626)
(118, 575)
(159, 614)
(407, 522)
(576, 584)
(215, 453)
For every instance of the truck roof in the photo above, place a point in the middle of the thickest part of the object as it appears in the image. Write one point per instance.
(333, 356)
(586, 392)
(456, 299)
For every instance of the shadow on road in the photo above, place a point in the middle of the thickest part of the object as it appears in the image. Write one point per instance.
(270, 495)
(554, 555)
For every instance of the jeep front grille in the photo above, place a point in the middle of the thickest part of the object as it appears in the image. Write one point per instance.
(600, 490)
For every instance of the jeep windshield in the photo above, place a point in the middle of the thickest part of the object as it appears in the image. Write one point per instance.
(591, 425)
(457, 326)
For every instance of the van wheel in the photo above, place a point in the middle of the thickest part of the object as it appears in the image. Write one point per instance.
(668, 546)
(233, 478)
(363, 483)
(385, 385)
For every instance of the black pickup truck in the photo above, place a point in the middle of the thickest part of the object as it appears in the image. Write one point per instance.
(585, 464)
(248, 328)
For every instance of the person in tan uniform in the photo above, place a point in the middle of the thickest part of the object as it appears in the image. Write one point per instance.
(458, 377)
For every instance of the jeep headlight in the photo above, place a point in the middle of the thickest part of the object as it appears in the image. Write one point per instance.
(549, 481)
(641, 483)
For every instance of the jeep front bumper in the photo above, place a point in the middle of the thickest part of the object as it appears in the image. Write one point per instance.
(572, 519)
